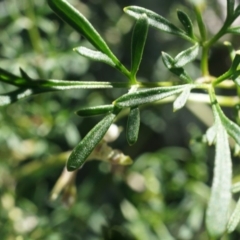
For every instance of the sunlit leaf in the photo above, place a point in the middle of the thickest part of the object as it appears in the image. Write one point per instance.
(94, 55)
(180, 72)
(234, 30)
(76, 20)
(182, 98)
(219, 203)
(211, 135)
(133, 125)
(12, 79)
(140, 97)
(236, 187)
(138, 42)
(234, 219)
(186, 22)
(169, 62)
(186, 56)
(89, 142)
(156, 21)
(232, 128)
(93, 111)
(14, 96)
(236, 151)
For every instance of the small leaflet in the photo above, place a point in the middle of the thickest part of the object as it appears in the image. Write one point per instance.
(182, 98)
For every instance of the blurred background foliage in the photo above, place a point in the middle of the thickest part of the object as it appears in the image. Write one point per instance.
(163, 194)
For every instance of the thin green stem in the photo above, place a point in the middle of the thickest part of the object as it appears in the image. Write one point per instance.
(221, 78)
(203, 33)
(204, 61)
(219, 34)
(201, 25)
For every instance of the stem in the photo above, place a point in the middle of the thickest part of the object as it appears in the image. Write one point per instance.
(203, 33)
(219, 34)
(201, 25)
(204, 61)
(221, 78)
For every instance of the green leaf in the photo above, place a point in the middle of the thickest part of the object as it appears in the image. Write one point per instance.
(180, 72)
(218, 207)
(232, 128)
(182, 98)
(25, 75)
(94, 55)
(81, 152)
(14, 96)
(93, 111)
(140, 97)
(138, 42)
(133, 125)
(234, 219)
(230, 8)
(169, 62)
(12, 79)
(52, 84)
(233, 30)
(236, 187)
(186, 22)
(211, 135)
(236, 150)
(156, 21)
(186, 56)
(76, 20)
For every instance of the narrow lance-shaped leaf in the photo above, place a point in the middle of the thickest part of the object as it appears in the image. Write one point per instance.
(140, 97)
(76, 20)
(169, 62)
(138, 42)
(182, 98)
(93, 111)
(218, 207)
(94, 55)
(81, 152)
(232, 128)
(234, 219)
(234, 30)
(236, 187)
(12, 79)
(156, 21)
(211, 134)
(14, 96)
(186, 56)
(133, 125)
(186, 22)
(25, 75)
